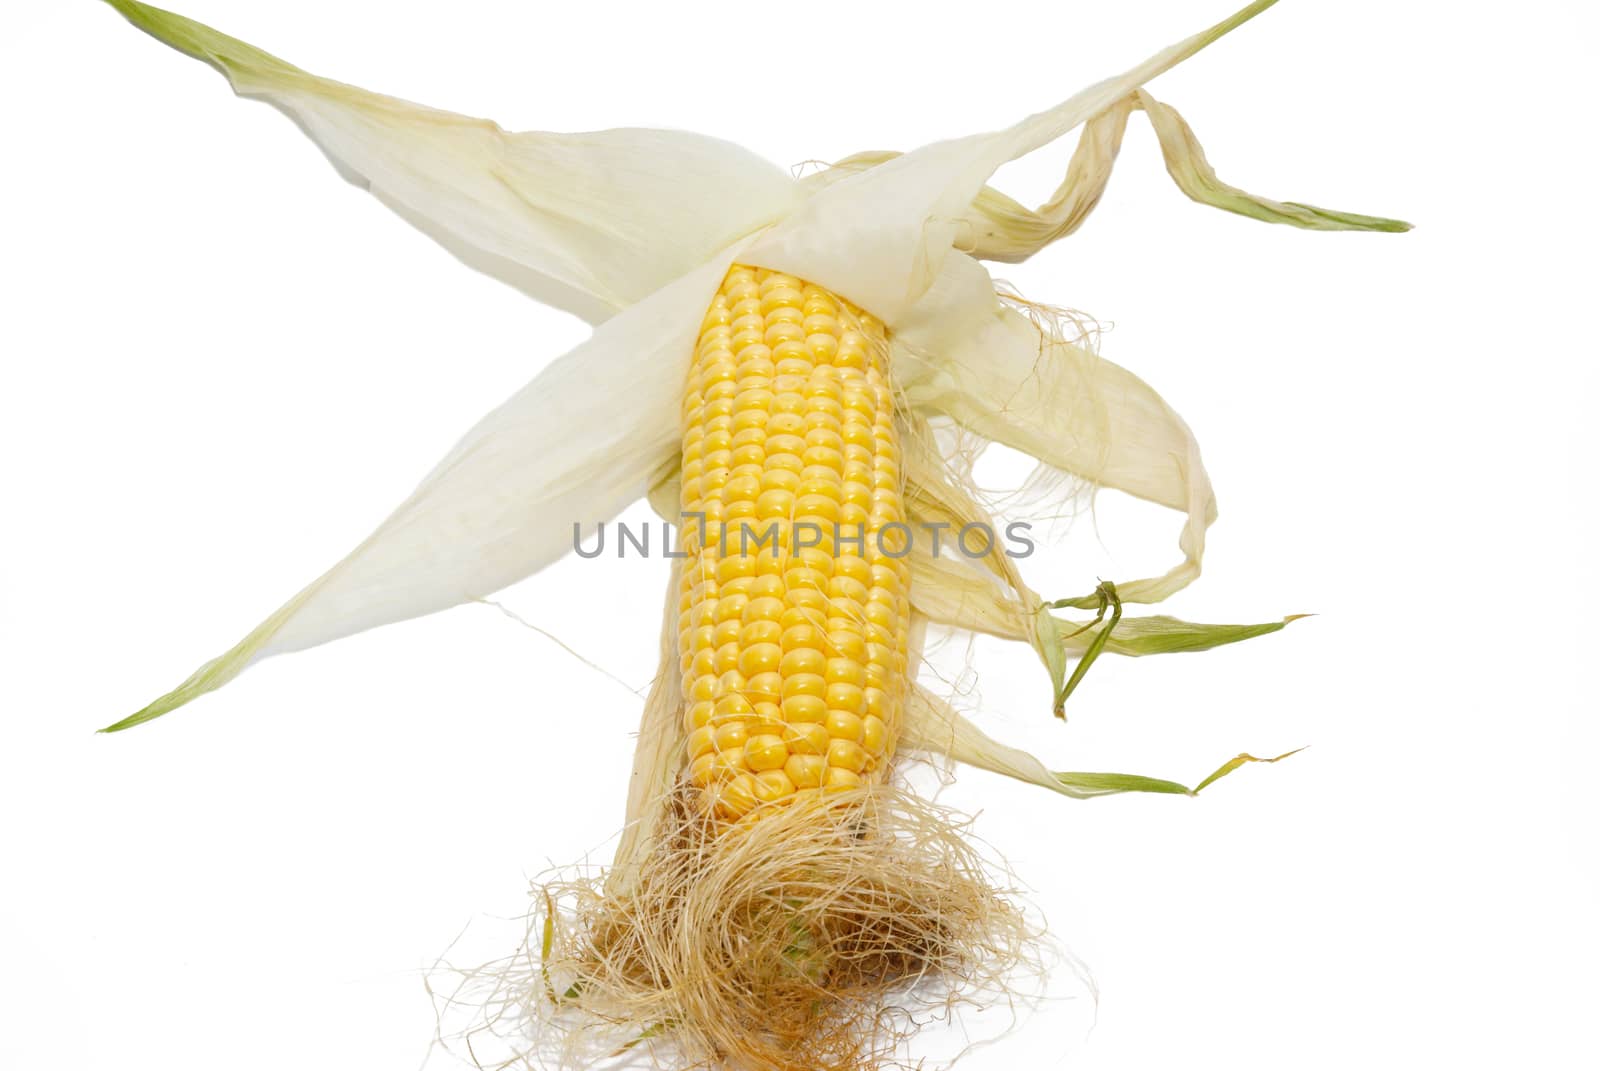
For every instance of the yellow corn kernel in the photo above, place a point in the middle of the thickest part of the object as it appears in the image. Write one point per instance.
(843, 725)
(805, 738)
(838, 778)
(737, 796)
(700, 742)
(848, 754)
(773, 785)
(805, 771)
(765, 752)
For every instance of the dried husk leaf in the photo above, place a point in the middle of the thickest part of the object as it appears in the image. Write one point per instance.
(581, 441)
(934, 726)
(1014, 379)
(881, 236)
(575, 220)
(998, 228)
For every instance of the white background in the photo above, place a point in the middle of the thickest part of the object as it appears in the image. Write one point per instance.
(222, 366)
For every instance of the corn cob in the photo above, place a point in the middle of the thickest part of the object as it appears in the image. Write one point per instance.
(793, 611)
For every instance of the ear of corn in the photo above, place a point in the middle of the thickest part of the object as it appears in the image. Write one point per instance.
(577, 220)
(794, 600)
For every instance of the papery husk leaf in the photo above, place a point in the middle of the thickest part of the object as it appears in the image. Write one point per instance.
(936, 498)
(658, 753)
(1048, 641)
(955, 597)
(880, 236)
(1012, 379)
(996, 227)
(934, 726)
(951, 592)
(954, 583)
(589, 222)
(988, 594)
(580, 442)
(1187, 164)
(999, 228)
(665, 494)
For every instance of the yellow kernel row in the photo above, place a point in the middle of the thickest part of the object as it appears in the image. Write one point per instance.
(794, 606)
